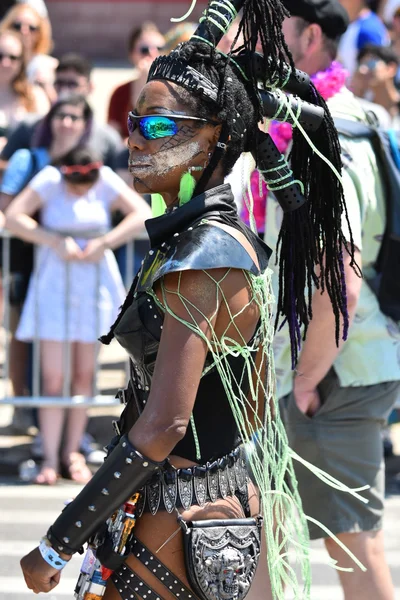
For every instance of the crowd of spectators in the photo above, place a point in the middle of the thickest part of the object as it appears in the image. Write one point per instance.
(45, 116)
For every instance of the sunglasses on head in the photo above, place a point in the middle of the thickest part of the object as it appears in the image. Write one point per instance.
(145, 50)
(17, 26)
(154, 127)
(66, 83)
(12, 57)
(81, 169)
(63, 115)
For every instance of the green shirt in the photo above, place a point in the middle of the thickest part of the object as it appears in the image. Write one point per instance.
(371, 354)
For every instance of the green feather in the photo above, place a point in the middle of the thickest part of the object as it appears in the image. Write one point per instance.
(158, 206)
(186, 188)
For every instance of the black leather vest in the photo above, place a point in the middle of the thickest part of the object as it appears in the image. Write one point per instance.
(195, 244)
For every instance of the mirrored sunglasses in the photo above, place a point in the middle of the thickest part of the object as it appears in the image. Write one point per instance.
(154, 127)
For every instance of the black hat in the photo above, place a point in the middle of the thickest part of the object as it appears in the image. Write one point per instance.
(328, 14)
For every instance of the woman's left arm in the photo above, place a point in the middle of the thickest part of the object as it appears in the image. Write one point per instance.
(136, 211)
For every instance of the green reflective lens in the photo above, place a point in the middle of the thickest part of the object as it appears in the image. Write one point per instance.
(153, 128)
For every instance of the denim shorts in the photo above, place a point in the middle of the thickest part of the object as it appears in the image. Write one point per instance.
(343, 439)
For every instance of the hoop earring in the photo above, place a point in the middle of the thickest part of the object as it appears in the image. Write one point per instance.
(187, 185)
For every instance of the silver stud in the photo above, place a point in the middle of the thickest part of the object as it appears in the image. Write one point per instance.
(177, 594)
(162, 578)
(155, 316)
(78, 524)
(161, 326)
(151, 558)
(234, 120)
(159, 566)
(128, 461)
(145, 464)
(92, 508)
(123, 444)
(60, 547)
(190, 228)
(167, 573)
(176, 234)
(151, 306)
(147, 562)
(170, 587)
(175, 581)
(141, 583)
(151, 252)
(128, 581)
(117, 474)
(66, 540)
(138, 555)
(147, 388)
(136, 589)
(182, 590)
(139, 386)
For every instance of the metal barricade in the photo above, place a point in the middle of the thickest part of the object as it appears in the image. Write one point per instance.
(36, 399)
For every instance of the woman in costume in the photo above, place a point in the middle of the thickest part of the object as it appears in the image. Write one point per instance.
(197, 326)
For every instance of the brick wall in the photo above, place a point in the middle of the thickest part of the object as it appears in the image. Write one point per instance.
(100, 28)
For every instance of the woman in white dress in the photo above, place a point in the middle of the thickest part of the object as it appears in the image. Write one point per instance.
(78, 288)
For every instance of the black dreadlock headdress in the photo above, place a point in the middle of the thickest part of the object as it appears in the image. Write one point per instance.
(311, 239)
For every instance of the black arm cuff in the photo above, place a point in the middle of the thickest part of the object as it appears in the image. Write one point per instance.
(124, 472)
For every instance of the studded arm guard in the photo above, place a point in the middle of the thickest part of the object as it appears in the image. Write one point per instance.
(124, 472)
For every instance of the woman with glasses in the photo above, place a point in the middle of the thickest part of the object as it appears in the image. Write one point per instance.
(144, 45)
(35, 32)
(17, 96)
(67, 125)
(197, 324)
(34, 29)
(77, 290)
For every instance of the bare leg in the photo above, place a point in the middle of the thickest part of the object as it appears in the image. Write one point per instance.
(51, 420)
(376, 583)
(83, 356)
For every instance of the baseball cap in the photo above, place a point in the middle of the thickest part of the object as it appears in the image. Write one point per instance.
(328, 14)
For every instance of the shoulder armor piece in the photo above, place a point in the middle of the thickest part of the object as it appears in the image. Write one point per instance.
(199, 248)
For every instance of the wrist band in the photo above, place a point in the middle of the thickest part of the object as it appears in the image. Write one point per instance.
(51, 556)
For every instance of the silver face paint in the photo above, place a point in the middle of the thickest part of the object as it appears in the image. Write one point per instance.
(164, 161)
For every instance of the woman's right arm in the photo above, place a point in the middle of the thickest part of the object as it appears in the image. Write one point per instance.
(20, 222)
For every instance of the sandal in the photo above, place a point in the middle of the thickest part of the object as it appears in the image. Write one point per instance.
(46, 476)
(76, 469)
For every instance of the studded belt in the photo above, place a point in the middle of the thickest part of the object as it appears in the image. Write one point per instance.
(182, 488)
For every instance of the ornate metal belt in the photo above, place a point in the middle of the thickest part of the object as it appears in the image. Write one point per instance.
(182, 488)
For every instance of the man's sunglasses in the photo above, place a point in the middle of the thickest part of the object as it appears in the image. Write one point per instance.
(12, 57)
(63, 115)
(17, 26)
(154, 127)
(145, 50)
(66, 83)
